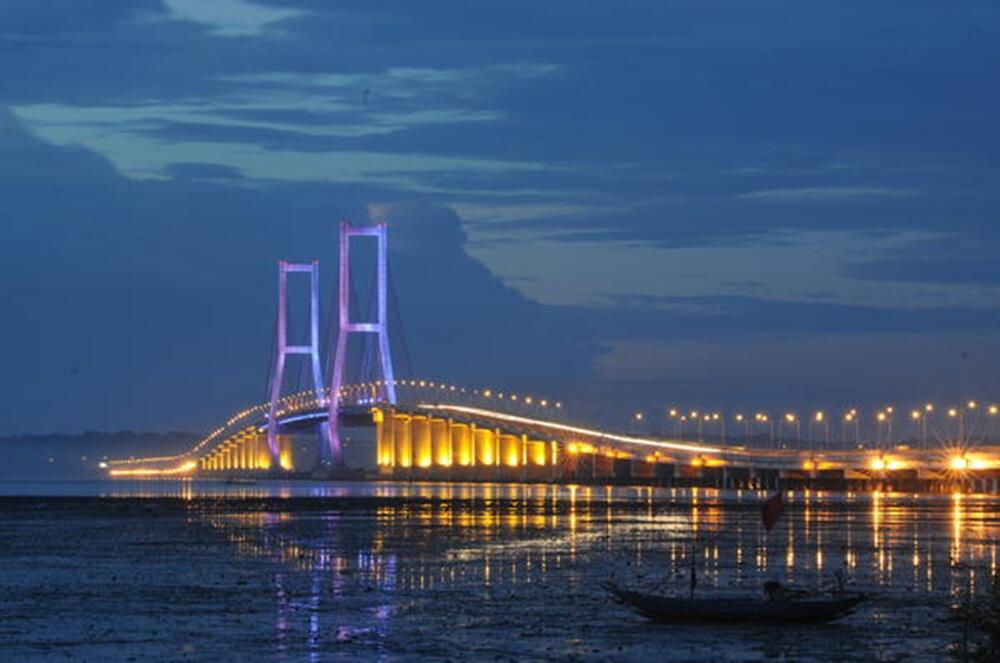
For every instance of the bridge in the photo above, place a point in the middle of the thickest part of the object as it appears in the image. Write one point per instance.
(433, 430)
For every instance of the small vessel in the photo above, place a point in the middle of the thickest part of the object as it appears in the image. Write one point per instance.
(793, 610)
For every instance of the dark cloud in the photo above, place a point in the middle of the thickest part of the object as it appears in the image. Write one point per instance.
(960, 260)
(643, 317)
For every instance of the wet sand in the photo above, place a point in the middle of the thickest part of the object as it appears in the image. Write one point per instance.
(455, 573)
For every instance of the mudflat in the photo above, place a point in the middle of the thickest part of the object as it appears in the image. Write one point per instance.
(461, 572)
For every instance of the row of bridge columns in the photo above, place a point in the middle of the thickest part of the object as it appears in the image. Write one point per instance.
(422, 441)
(247, 451)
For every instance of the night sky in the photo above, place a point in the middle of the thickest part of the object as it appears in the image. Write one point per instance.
(625, 205)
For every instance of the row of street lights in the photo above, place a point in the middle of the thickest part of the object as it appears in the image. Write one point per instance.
(820, 421)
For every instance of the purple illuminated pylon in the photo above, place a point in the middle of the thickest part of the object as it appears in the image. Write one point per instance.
(283, 349)
(345, 326)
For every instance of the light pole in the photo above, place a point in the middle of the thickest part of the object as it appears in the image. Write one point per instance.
(820, 418)
(993, 410)
(880, 417)
(792, 419)
(851, 417)
(956, 413)
(888, 421)
(746, 424)
(928, 410)
(672, 413)
(917, 415)
(971, 405)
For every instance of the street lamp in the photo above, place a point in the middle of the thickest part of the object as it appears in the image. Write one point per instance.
(888, 421)
(764, 419)
(851, 417)
(722, 425)
(880, 417)
(674, 414)
(958, 413)
(820, 418)
(917, 415)
(746, 425)
(792, 419)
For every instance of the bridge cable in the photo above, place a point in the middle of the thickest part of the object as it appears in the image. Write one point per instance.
(273, 354)
(396, 319)
(370, 346)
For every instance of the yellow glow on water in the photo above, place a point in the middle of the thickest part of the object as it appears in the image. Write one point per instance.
(956, 526)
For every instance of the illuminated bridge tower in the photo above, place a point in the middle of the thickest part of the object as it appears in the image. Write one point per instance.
(345, 326)
(283, 349)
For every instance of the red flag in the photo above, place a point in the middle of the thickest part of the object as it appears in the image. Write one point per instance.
(771, 510)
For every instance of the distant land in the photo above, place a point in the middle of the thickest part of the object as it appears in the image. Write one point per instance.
(61, 456)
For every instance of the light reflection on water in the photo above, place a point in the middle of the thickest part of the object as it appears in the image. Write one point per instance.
(370, 569)
(524, 540)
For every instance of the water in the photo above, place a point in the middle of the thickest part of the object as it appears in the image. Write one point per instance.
(303, 571)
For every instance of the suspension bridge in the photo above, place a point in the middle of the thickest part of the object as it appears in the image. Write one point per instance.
(433, 430)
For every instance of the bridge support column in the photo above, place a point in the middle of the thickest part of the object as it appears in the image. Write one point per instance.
(461, 443)
(380, 327)
(283, 349)
(384, 440)
(510, 450)
(402, 442)
(423, 452)
(440, 442)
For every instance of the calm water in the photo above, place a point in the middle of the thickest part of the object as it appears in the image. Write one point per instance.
(303, 571)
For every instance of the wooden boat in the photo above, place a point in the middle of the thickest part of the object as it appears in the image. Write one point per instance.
(806, 610)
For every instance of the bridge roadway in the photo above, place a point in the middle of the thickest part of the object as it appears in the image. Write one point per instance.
(456, 442)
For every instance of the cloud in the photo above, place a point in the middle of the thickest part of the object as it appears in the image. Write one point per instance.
(824, 194)
(230, 18)
(949, 259)
(209, 171)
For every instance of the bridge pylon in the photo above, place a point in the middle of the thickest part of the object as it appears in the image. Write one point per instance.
(283, 349)
(380, 326)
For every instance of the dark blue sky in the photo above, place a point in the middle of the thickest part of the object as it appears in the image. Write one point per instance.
(623, 204)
